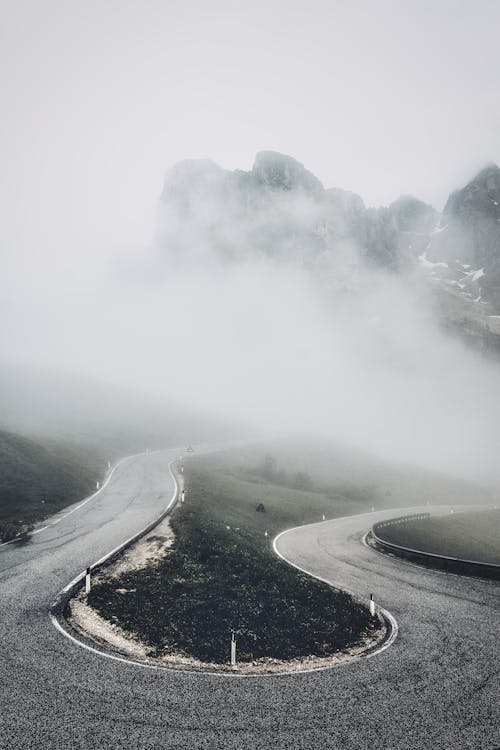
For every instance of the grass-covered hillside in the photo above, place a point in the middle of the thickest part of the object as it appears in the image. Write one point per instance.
(38, 478)
(299, 480)
(467, 536)
(58, 432)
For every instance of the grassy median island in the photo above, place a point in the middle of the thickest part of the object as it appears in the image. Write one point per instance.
(467, 536)
(221, 575)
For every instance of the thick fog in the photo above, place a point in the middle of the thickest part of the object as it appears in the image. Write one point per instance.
(284, 348)
(335, 347)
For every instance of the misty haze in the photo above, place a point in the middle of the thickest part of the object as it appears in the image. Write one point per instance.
(249, 375)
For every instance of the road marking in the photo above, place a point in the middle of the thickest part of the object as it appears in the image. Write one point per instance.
(394, 628)
(122, 544)
(180, 670)
(87, 500)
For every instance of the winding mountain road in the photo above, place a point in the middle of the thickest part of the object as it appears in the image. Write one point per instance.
(436, 687)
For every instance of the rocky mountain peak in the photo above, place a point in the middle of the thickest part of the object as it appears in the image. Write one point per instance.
(413, 215)
(280, 172)
(481, 196)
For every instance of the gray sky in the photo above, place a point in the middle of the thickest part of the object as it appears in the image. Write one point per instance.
(101, 97)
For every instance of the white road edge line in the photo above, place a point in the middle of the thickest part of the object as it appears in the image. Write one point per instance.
(388, 615)
(194, 672)
(84, 502)
(127, 541)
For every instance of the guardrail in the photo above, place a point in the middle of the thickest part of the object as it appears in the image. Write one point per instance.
(431, 559)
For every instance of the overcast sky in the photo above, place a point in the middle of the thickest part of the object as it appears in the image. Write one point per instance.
(100, 97)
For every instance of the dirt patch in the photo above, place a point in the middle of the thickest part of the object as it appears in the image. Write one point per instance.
(89, 623)
(148, 550)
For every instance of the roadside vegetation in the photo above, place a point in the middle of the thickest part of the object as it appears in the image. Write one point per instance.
(467, 536)
(223, 576)
(39, 478)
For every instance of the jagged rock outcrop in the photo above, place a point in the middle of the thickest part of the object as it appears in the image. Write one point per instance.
(413, 216)
(470, 221)
(468, 240)
(281, 211)
(280, 172)
(278, 210)
(413, 222)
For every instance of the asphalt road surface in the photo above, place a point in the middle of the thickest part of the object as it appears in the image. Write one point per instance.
(436, 687)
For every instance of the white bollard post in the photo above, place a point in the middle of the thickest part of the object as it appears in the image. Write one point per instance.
(182, 469)
(109, 465)
(182, 495)
(97, 485)
(87, 581)
(372, 605)
(323, 516)
(233, 649)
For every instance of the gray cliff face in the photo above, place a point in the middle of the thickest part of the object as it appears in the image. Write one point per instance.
(280, 172)
(413, 216)
(471, 221)
(478, 200)
(469, 235)
(413, 222)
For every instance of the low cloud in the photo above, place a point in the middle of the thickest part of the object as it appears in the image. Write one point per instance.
(336, 348)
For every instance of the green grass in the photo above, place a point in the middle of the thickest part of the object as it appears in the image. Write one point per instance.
(222, 575)
(467, 536)
(38, 479)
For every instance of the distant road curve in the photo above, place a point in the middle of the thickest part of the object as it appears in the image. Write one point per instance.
(437, 686)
